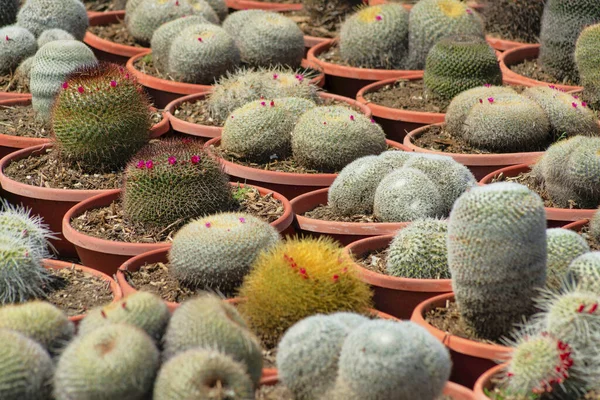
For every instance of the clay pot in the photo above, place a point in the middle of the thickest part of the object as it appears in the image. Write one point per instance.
(556, 217)
(108, 255)
(518, 55)
(347, 81)
(505, 44)
(470, 359)
(577, 226)
(106, 50)
(392, 295)
(263, 5)
(485, 382)
(114, 287)
(479, 164)
(13, 95)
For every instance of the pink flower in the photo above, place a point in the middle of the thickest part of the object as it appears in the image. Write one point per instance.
(177, 3)
(575, 97)
(199, 39)
(490, 100)
(487, 85)
(127, 76)
(149, 164)
(80, 89)
(65, 85)
(275, 76)
(378, 17)
(583, 104)
(300, 77)
(242, 220)
(262, 103)
(172, 160)
(336, 278)
(352, 118)
(574, 105)
(324, 122)
(480, 101)
(7, 38)
(372, 121)
(272, 103)
(141, 164)
(113, 83)
(469, 11)
(552, 87)
(207, 225)
(195, 159)
(232, 117)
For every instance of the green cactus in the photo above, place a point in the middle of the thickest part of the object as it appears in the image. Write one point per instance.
(383, 360)
(51, 66)
(53, 34)
(8, 11)
(217, 251)
(172, 182)
(17, 221)
(594, 226)
(388, 23)
(587, 60)
(203, 374)
(432, 20)
(130, 6)
(116, 361)
(497, 255)
(219, 7)
(296, 106)
(405, 195)
(584, 272)
(208, 322)
(16, 45)
(458, 63)
(140, 309)
(26, 366)
(280, 82)
(328, 138)
(419, 251)
(235, 22)
(40, 321)
(396, 159)
(40, 15)
(563, 247)
(517, 20)
(562, 22)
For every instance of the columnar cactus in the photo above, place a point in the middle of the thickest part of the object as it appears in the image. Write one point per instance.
(163, 37)
(40, 15)
(388, 23)
(584, 272)
(17, 221)
(517, 20)
(587, 60)
(497, 255)
(16, 45)
(53, 34)
(458, 63)
(8, 11)
(563, 247)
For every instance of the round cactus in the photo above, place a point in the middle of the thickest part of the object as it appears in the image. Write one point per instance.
(594, 227)
(460, 63)
(563, 247)
(208, 322)
(141, 309)
(587, 60)
(51, 35)
(26, 368)
(349, 319)
(235, 22)
(278, 82)
(296, 106)
(24, 69)
(216, 252)
(388, 23)
(8, 11)
(405, 195)
(17, 221)
(40, 15)
(584, 272)
(330, 137)
(16, 45)
(583, 169)
(219, 7)
(396, 159)
(113, 362)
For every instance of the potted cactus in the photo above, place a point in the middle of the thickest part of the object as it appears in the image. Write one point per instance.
(586, 59)
(511, 24)
(18, 45)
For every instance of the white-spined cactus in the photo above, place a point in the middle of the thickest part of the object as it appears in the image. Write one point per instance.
(16, 45)
(40, 15)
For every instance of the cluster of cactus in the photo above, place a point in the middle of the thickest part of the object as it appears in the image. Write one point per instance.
(16, 45)
(173, 181)
(298, 278)
(216, 252)
(584, 272)
(40, 15)
(8, 11)
(518, 20)
(564, 246)
(343, 356)
(53, 34)
(588, 60)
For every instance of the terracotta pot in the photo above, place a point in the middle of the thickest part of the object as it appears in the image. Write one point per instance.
(556, 217)
(505, 44)
(207, 131)
(13, 95)
(470, 359)
(108, 255)
(347, 81)
(287, 183)
(471, 4)
(518, 55)
(577, 226)
(395, 296)
(263, 5)
(50, 204)
(114, 287)
(485, 382)
(479, 164)
(106, 50)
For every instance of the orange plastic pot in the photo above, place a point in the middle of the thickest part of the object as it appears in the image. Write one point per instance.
(263, 5)
(577, 226)
(13, 95)
(470, 359)
(485, 382)
(392, 295)
(505, 44)
(556, 217)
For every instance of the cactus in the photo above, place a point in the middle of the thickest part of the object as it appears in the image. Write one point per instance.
(496, 255)
(458, 63)
(396, 159)
(101, 117)
(202, 53)
(219, 7)
(24, 69)
(391, 360)
(514, 20)
(8, 11)
(563, 247)
(210, 323)
(280, 82)
(594, 226)
(140, 309)
(172, 182)
(26, 368)
(419, 251)
(40, 321)
(235, 22)
(40, 15)
(405, 195)
(432, 20)
(562, 22)
(17, 221)
(51, 66)
(295, 106)
(584, 272)
(116, 361)
(51, 35)
(217, 251)
(388, 23)
(328, 138)
(16, 45)
(349, 319)
(203, 374)
(587, 61)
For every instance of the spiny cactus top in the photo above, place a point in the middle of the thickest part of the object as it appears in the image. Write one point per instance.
(40, 15)
(18, 221)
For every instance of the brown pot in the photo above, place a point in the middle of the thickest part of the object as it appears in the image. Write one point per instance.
(485, 382)
(392, 295)
(263, 5)
(556, 217)
(13, 95)
(105, 50)
(577, 226)
(108, 255)
(470, 359)
(504, 44)
(479, 164)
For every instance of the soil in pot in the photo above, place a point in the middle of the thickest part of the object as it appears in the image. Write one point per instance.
(274, 392)
(326, 212)
(104, 5)
(591, 241)
(116, 33)
(531, 69)
(14, 83)
(332, 55)
(21, 121)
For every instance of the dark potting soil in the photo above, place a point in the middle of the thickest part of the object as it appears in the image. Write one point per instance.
(275, 392)
(75, 293)
(285, 165)
(375, 261)
(116, 33)
(155, 278)
(327, 26)
(14, 83)
(326, 212)
(22, 121)
(333, 56)
(103, 5)
(437, 138)
(592, 242)
(497, 393)
(531, 69)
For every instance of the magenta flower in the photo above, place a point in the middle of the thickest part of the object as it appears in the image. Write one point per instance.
(113, 83)
(372, 121)
(480, 101)
(65, 85)
(487, 85)
(262, 103)
(242, 220)
(80, 89)
(149, 164)
(200, 39)
(352, 118)
(275, 76)
(469, 11)
(7, 38)
(195, 159)
(378, 17)
(574, 105)
(575, 97)
(300, 77)
(490, 100)
(583, 104)
(172, 160)
(141, 164)
(552, 87)
(208, 225)
(272, 103)
(232, 117)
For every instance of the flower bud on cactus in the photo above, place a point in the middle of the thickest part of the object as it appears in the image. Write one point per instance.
(17, 221)
(16, 45)
(235, 22)
(587, 59)
(584, 272)
(203, 374)
(40, 15)
(563, 247)
(497, 255)
(163, 37)
(210, 323)
(388, 23)
(8, 11)
(53, 34)
(113, 362)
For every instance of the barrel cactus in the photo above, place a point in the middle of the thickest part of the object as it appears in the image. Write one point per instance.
(563, 247)
(16, 45)
(18, 221)
(584, 272)
(24, 68)
(53, 34)
(587, 60)
(594, 227)
(8, 11)
(40, 15)
(235, 22)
